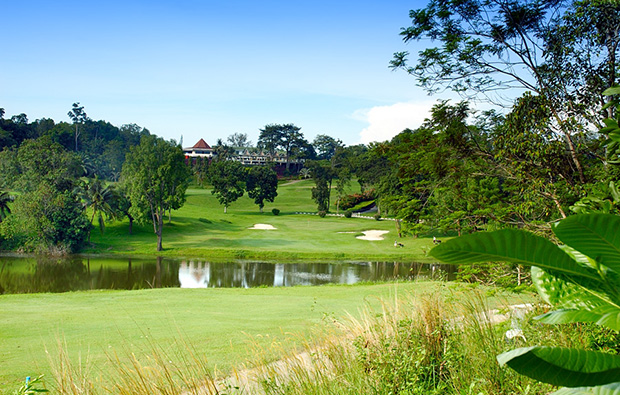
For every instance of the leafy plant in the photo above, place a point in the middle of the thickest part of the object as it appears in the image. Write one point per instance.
(377, 217)
(275, 211)
(581, 279)
(348, 214)
(322, 213)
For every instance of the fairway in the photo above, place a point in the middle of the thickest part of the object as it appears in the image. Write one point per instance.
(202, 229)
(219, 323)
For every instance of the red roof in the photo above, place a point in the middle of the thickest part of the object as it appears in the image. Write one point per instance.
(201, 144)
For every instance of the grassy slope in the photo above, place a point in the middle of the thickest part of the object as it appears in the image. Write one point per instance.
(218, 322)
(220, 235)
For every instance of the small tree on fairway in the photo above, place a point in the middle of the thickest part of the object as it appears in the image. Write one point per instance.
(155, 177)
(262, 184)
(228, 181)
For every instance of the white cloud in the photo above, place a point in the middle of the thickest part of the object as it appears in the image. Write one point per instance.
(386, 122)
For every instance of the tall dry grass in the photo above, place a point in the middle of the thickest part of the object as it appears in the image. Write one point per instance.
(437, 343)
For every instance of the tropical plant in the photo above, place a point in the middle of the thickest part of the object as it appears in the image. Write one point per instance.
(98, 197)
(581, 279)
(5, 199)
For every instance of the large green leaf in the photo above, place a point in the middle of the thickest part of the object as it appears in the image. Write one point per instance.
(561, 293)
(510, 245)
(609, 389)
(566, 367)
(595, 235)
(614, 90)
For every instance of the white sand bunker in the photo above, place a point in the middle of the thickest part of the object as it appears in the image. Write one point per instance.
(263, 227)
(373, 235)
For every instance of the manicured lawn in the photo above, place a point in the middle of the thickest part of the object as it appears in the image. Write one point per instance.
(201, 229)
(219, 323)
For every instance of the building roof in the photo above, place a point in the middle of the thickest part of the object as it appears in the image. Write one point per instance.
(201, 144)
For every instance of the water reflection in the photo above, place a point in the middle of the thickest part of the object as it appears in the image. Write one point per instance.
(44, 274)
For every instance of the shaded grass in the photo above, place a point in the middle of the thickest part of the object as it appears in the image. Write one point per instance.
(200, 229)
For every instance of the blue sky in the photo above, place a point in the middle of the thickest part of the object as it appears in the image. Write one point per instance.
(202, 69)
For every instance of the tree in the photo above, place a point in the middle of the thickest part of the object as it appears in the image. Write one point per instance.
(239, 140)
(48, 220)
(121, 205)
(228, 181)
(47, 215)
(154, 175)
(97, 197)
(323, 175)
(286, 136)
(326, 146)
(79, 117)
(262, 184)
(555, 50)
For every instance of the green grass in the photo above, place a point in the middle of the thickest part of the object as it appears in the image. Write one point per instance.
(202, 229)
(219, 323)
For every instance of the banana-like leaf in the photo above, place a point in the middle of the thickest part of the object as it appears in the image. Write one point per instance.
(562, 292)
(595, 235)
(609, 389)
(608, 317)
(614, 90)
(566, 367)
(510, 245)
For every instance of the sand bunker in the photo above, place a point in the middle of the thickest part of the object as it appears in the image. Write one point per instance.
(373, 235)
(263, 227)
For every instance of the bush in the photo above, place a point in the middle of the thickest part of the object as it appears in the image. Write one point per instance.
(322, 213)
(275, 211)
(350, 201)
(377, 216)
(348, 213)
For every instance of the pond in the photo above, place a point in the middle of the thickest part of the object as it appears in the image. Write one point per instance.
(19, 274)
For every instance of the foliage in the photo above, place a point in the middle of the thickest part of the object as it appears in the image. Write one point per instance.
(348, 214)
(565, 53)
(286, 137)
(47, 220)
(322, 213)
(348, 201)
(97, 197)
(155, 178)
(262, 185)
(275, 211)
(580, 279)
(47, 215)
(377, 217)
(228, 179)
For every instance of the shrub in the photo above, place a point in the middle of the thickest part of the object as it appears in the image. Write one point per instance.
(377, 216)
(322, 213)
(348, 213)
(349, 201)
(275, 211)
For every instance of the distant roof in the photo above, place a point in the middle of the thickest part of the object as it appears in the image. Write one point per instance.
(201, 144)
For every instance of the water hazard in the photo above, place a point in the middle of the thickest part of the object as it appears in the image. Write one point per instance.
(44, 274)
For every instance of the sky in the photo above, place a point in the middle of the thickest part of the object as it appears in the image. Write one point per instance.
(204, 69)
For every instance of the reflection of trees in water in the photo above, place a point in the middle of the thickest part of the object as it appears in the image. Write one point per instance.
(201, 274)
(45, 274)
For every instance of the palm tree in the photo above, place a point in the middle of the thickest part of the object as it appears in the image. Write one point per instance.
(98, 197)
(5, 199)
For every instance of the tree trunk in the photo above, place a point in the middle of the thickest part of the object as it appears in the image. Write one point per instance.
(225, 209)
(130, 223)
(160, 226)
